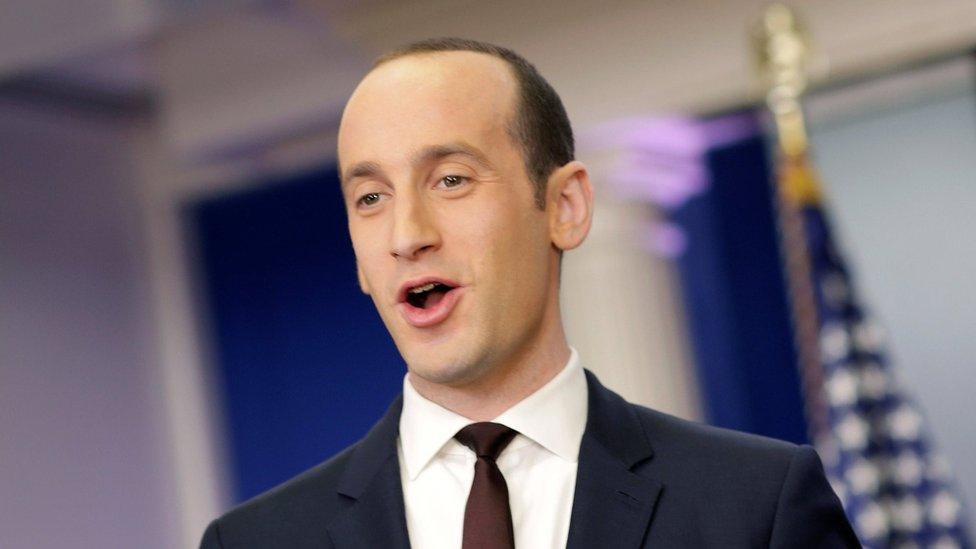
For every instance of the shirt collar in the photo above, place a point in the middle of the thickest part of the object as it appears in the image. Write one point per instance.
(554, 416)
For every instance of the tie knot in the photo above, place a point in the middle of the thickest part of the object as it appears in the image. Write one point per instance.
(487, 439)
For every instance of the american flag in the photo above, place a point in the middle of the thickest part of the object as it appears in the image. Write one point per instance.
(896, 488)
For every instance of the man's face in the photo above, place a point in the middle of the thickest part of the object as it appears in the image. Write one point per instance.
(437, 193)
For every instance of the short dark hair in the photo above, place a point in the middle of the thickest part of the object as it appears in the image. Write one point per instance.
(540, 124)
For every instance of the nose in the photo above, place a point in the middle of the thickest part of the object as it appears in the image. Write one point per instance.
(414, 230)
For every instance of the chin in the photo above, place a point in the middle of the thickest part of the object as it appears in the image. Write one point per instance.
(443, 368)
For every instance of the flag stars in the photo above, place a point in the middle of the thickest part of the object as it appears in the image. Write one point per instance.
(834, 342)
(874, 382)
(907, 469)
(868, 336)
(907, 514)
(945, 542)
(905, 423)
(871, 521)
(863, 477)
(853, 433)
(944, 509)
(896, 491)
(842, 388)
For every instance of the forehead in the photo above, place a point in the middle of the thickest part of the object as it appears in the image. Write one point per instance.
(426, 100)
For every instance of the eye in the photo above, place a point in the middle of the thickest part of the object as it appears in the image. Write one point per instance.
(368, 199)
(452, 181)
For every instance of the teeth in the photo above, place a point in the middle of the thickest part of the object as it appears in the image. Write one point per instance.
(424, 288)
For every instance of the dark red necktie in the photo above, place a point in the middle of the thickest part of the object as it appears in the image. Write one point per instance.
(487, 516)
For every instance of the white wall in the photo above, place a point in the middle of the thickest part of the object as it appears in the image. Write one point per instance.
(263, 75)
(84, 457)
(898, 160)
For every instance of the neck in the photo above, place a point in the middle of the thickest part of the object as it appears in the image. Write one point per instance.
(504, 384)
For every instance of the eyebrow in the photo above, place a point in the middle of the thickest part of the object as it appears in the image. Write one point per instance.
(426, 155)
(360, 169)
(437, 152)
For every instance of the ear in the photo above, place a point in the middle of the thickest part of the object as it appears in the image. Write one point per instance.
(569, 205)
(363, 285)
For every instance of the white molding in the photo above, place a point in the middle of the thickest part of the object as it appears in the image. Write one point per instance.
(621, 305)
(949, 77)
(196, 441)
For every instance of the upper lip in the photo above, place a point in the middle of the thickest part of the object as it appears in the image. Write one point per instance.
(414, 282)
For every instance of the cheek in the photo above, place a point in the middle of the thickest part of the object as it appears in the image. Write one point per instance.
(508, 252)
(370, 252)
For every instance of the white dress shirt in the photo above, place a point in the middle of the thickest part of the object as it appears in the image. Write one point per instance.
(539, 464)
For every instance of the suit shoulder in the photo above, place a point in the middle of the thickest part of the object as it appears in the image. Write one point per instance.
(682, 440)
(307, 498)
(736, 478)
(755, 490)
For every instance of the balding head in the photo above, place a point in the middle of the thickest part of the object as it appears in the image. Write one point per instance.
(537, 121)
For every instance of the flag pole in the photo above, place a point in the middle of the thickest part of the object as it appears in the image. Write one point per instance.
(782, 50)
(895, 487)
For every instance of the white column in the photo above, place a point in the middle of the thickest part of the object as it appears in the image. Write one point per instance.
(621, 304)
(195, 444)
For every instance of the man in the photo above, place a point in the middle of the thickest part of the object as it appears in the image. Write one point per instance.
(457, 169)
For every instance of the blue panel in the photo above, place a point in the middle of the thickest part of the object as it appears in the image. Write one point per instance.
(304, 360)
(736, 298)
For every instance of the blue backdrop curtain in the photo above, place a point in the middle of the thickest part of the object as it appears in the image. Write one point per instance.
(735, 295)
(303, 361)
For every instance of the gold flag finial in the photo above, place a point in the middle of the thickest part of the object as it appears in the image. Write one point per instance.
(783, 50)
(783, 53)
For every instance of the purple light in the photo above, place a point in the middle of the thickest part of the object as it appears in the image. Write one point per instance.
(661, 160)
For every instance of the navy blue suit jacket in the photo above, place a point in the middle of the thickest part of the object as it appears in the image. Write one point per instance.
(645, 479)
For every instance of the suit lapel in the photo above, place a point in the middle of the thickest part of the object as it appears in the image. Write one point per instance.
(612, 505)
(371, 481)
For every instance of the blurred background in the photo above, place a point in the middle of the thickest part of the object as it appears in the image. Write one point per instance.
(180, 325)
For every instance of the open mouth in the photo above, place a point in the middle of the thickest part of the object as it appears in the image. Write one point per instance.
(428, 295)
(427, 302)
